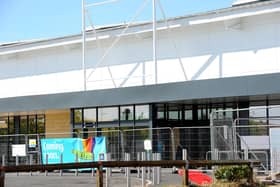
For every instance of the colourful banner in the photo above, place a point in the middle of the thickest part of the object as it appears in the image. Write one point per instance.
(87, 150)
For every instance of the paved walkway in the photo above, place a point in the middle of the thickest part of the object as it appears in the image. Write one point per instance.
(67, 180)
(84, 180)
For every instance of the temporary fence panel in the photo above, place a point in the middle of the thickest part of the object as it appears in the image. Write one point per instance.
(159, 138)
(196, 140)
(113, 141)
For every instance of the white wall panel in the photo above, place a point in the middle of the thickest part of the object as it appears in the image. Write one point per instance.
(212, 50)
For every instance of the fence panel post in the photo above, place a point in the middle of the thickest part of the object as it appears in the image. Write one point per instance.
(47, 159)
(92, 169)
(30, 162)
(154, 170)
(17, 161)
(3, 160)
(138, 168)
(61, 161)
(76, 160)
(158, 157)
(143, 169)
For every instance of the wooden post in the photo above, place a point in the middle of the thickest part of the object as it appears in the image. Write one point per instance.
(186, 174)
(2, 177)
(99, 176)
(251, 174)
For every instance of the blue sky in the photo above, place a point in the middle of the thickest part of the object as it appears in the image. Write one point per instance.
(33, 19)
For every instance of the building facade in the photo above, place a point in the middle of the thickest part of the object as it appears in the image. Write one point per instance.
(223, 59)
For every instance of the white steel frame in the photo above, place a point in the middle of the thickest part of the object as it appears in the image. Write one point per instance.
(85, 11)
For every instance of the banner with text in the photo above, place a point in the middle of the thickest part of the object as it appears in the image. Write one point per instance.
(86, 150)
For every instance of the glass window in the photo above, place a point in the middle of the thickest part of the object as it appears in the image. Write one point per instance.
(274, 115)
(40, 124)
(257, 112)
(188, 115)
(174, 115)
(174, 112)
(126, 113)
(228, 113)
(202, 112)
(108, 114)
(11, 125)
(23, 125)
(78, 118)
(32, 124)
(160, 111)
(160, 115)
(90, 115)
(142, 112)
(274, 111)
(3, 125)
(188, 112)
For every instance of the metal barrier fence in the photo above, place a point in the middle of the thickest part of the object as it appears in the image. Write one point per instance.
(221, 142)
(253, 137)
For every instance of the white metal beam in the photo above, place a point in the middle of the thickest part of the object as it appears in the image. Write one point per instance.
(84, 46)
(155, 40)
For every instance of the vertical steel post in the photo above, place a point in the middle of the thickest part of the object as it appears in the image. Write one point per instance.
(76, 160)
(158, 168)
(149, 169)
(128, 179)
(3, 160)
(17, 162)
(109, 159)
(173, 144)
(47, 159)
(143, 169)
(212, 138)
(61, 161)
(155, 41)
(138, 168)
(92, 169)
(84, 45)
(108, 171)
(154, 170)
(246, 154)
(125, 169)
(184, 154)
(30, 162)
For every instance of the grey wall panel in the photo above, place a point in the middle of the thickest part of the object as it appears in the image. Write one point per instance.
(190, 90)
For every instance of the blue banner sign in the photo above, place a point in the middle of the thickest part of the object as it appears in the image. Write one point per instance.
(86, 150)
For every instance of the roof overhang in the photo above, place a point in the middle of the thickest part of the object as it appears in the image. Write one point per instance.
(191, 91)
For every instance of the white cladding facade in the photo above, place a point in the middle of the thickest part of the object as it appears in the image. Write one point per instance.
(237, 41)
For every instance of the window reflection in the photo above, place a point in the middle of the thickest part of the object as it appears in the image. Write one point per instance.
(108, 114)
(23, 125)
(78, 118)
(142, 112)
(3, 125)
(40, 124)
(90, 115)
(11, 125)
(32, 125)
(274, 115)
(202, 112)
(126, 113)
